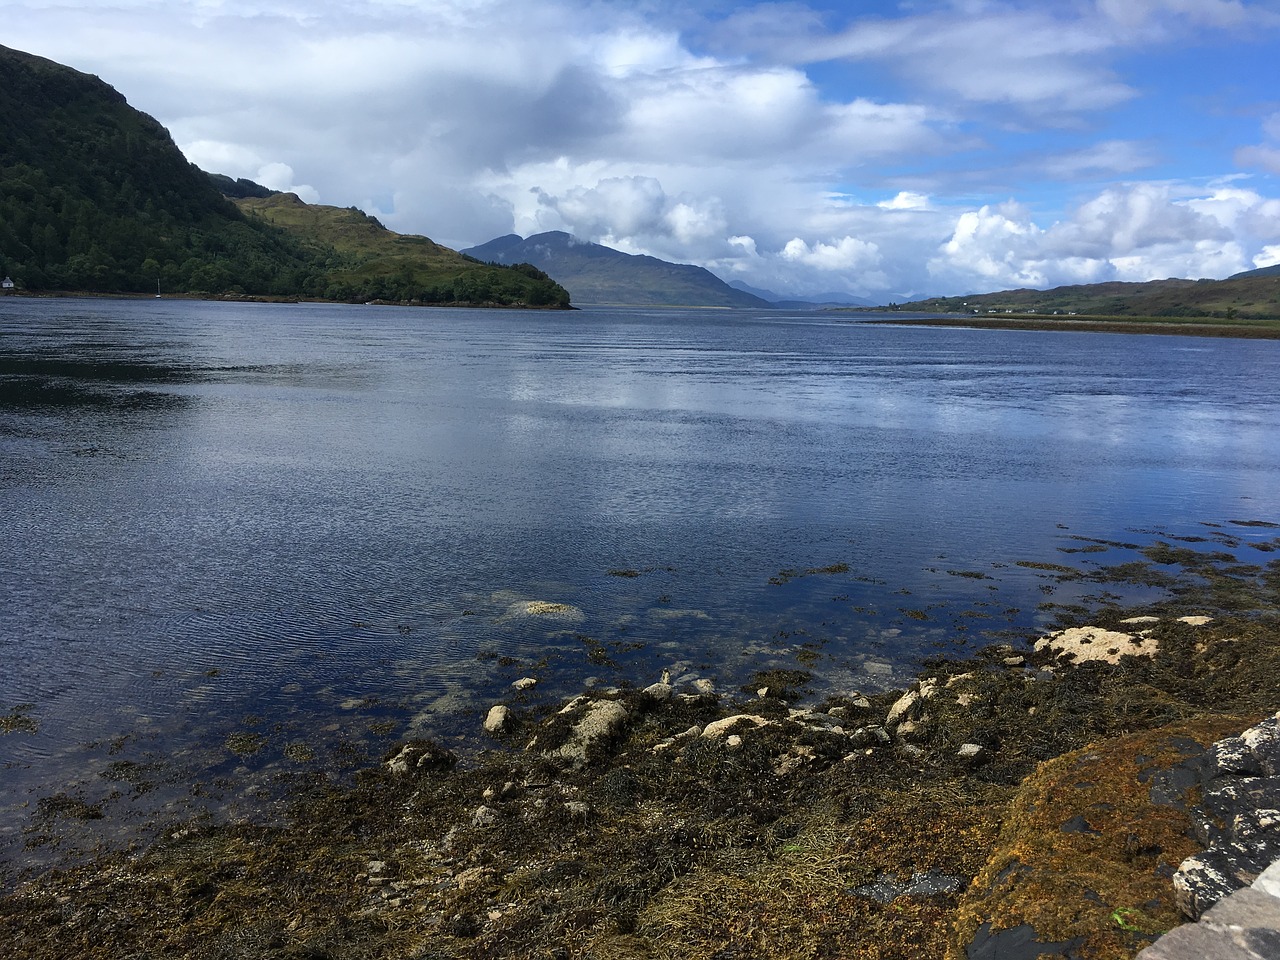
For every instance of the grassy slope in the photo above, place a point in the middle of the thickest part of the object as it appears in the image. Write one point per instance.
(1251, 297)
(371, 252)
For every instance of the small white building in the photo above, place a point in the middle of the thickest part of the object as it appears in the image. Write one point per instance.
(6, 284)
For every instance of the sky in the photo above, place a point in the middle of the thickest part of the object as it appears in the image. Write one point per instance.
(889, 150)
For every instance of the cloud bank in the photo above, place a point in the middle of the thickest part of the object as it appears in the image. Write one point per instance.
(904, 150)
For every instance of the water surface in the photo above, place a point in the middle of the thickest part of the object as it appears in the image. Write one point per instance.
(312, 525)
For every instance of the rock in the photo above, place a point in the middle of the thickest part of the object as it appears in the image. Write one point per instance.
(658, 691)
(600, 721)
(578, 809)
(1060, 886)
(1140, 621)
(704, 686)
(888, 887)
(525, 683)
(484, 817)
(496, 721)
(718, 728)
(873, 736)
(1014, 661)
(1094, 644)
(421, 756)
(970, 751)
(1237, 818)
(670, 742)
(817, 721)
(544, 609)
(904, 705)
(733, 741)
(1269, 880)
(1195, 621)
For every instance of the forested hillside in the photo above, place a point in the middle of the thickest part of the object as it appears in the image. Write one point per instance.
(94, 196)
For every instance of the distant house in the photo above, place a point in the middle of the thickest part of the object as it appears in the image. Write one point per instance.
(6, 284)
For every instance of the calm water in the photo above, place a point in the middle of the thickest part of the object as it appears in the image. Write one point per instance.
(314, 526)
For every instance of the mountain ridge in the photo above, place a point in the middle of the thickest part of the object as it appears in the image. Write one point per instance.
(594, 273)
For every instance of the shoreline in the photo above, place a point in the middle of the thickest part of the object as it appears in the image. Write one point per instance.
(1190, 327)
(1007, 791)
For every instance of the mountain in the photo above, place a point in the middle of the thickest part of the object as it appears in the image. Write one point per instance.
(96, 197)
(1271, 271)
(1253, 295)
(598, 274)
(815, 301)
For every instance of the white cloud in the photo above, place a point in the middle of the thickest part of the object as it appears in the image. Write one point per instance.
(847, 253)
(1137, 232)
(906, 200)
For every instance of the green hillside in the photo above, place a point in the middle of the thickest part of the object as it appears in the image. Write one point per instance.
(374, 263)
(1252, 296)
(95, 197)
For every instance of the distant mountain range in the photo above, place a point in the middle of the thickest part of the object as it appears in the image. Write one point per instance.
(814, 301)
(593, 273)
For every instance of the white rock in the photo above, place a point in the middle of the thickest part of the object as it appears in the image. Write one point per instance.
(1086, 644)
(525, 683)
(718, 728)
(1195, 621)
(969, 751)
(484, 817)
(900, 709)
(496, 721)
(704, 686)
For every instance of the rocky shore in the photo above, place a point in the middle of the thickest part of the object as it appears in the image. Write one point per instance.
(1078, 796)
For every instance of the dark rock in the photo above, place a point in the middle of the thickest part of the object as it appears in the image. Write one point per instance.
(1078, 824)
(1016, 943)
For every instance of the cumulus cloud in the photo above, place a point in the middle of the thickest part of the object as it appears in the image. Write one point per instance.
(1136, 232)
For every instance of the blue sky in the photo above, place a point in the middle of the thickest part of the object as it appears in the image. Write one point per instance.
(888, 150)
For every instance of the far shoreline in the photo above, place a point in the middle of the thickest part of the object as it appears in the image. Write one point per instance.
(1165, 326)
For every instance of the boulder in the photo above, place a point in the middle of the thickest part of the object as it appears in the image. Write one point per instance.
(600, 721)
